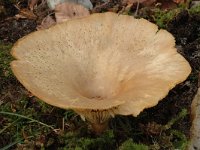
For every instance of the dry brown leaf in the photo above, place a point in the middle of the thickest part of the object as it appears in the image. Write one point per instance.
(42, 10)
(47, 22)
(126, 9)
(179, 1)
(143, 2)
(67, 11)
(113, 9)
(32, 3)
(25, 13)
(166, 5)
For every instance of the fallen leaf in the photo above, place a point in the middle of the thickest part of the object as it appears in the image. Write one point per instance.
(179, 1)
(42, 10)
(32, 3)
(126, 9)
(143, 2)
(25, 13)
(86, 3)
(166, 5)
(67, 11)
(113, 9)
(47, 22)
(104, 6)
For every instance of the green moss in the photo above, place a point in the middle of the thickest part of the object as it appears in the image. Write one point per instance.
(72, 140)
(195, 10)
(22, 123)
(181, 141)
(130, 145)
(5, 59)
(161, 17)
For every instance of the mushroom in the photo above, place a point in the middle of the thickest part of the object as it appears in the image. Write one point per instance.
(100, 66)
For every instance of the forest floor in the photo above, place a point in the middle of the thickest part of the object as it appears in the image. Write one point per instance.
(28, 123)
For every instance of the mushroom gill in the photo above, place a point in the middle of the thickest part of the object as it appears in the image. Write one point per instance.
(101, 65)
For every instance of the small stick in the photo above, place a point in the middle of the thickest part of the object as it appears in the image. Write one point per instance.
(137, 8)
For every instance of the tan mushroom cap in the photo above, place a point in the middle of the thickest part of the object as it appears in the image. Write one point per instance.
(102, 61)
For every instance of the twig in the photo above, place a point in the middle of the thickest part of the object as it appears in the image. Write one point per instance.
(137, 8)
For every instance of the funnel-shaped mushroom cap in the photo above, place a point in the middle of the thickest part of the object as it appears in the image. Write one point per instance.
(103, 61)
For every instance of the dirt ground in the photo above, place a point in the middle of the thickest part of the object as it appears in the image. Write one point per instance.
(145, 129)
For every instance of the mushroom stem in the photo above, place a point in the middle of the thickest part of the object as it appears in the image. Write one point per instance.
(99, 128)
(98, 119)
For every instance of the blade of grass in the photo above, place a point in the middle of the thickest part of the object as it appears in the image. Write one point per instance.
(1, 131)
(181, 115)
(22, 116)
(10, 145)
